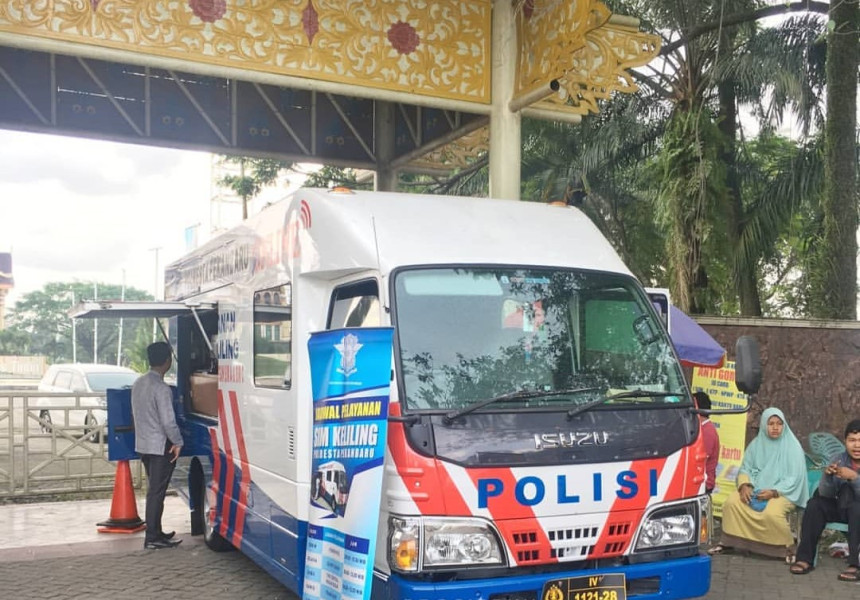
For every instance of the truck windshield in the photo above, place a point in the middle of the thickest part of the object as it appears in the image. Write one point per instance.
(468, 334)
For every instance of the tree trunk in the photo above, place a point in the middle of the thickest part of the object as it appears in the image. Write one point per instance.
(243, 196)
(746, 283)
(685, 204)
(837, 295)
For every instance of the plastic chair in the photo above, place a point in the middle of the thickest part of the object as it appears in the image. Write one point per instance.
(813, 462)
(825, 445)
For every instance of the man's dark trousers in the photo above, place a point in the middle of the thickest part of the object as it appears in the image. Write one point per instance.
(820, 511)
(159, 469)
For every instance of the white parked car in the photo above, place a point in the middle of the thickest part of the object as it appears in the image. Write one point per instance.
(84, 379)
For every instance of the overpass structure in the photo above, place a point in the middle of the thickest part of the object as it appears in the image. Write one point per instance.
(386, 85)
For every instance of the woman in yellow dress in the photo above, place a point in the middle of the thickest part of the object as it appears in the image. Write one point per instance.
(771, 483)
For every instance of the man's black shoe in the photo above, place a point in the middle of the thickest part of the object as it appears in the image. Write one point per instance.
(167, 535)
(161, 543)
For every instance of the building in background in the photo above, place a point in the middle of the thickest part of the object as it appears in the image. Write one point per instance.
(6, 284)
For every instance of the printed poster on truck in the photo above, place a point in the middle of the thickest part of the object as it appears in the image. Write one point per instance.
(719, 384)
(351, 377)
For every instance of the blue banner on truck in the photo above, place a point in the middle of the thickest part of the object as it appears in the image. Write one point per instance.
(351, 376)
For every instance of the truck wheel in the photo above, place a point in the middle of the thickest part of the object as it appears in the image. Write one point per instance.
(206, 499)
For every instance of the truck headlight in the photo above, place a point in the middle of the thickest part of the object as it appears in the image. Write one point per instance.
(670, 526)
(431, 543)
(404, 535)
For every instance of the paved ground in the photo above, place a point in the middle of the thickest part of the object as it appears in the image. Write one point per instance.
(53, 551)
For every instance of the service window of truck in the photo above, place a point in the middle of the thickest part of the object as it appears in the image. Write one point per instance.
(272, 334)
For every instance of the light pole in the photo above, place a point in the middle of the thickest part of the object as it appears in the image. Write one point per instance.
(74, 333)
(155, 294)
(119, 337)
(95, 326)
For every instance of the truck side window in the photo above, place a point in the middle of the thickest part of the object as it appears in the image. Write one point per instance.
(272, 337)
(355, 305)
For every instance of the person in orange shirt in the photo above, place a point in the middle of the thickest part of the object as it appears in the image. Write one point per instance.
(711, 439)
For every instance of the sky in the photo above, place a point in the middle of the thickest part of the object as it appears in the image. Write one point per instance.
(90, 210)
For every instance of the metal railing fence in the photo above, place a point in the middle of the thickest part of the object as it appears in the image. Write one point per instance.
(55, 443)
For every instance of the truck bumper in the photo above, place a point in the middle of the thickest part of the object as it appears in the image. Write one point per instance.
(665, 580)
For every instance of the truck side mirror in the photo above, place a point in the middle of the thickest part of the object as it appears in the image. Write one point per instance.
(747, 365)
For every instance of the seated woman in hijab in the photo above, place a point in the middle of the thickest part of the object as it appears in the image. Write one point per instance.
(771, 483)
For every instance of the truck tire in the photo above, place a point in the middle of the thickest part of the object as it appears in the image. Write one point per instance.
(200, 514)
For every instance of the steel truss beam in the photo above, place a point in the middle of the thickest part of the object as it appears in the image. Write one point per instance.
(54, 93)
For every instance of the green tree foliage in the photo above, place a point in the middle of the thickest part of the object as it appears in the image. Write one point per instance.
(39, 324)
(14, 342)
(782, 181)
(676, 151)
(254, 174)
(329, 177)
(134, 351)
(692, 186)
(601, 166)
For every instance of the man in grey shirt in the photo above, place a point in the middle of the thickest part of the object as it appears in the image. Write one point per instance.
(157, 439)
(837, 500)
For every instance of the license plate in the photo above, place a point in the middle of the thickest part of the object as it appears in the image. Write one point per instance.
(593, 587)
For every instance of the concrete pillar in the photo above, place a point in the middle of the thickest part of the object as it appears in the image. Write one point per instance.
(505, 142)
(385, 178)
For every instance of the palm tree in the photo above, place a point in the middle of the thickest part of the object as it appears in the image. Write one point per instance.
(836, 297)
(782, 64)
(691, 137)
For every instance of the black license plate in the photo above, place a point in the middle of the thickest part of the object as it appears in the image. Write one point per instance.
(593, 587)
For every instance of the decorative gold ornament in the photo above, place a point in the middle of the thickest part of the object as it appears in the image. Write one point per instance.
(581, 45)
(458, 154)
(439, 48)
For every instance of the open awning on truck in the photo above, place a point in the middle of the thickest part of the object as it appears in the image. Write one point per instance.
(142, 309)
(695, 346)
(108, 309)
(136, 310)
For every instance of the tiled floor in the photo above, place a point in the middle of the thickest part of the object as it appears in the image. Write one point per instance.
(54, 529)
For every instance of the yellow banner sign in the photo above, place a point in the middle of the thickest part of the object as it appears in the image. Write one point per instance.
(719, 384)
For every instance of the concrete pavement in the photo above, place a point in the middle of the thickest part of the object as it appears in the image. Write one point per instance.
(59, 529)
(52, 550)
(740, 577)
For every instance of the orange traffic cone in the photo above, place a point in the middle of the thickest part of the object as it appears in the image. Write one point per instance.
(123, 508)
